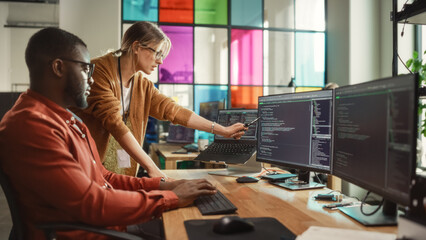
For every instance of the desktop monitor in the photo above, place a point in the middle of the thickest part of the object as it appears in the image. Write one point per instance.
(375, 142)
(295, 131)
(209, 110)
(180, 134)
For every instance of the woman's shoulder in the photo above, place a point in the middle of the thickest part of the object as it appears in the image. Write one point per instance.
(106, 60)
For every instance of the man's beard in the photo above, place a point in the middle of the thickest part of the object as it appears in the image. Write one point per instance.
(76, 90)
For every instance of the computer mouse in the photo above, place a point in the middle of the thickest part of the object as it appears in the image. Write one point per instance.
(246, 179)
(231, 225)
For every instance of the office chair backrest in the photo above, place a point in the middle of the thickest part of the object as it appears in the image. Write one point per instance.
(17, 231)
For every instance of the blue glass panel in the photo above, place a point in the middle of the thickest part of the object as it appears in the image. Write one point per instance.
(208, 93)
(140, 10)
(310, 59)
(246, 13)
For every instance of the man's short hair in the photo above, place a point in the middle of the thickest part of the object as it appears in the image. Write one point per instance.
(47, 45)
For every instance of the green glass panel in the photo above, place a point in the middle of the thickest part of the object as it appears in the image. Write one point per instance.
(211, 12)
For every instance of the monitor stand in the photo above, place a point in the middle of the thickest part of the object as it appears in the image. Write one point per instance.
(251, 167)
(385, 217)
(301, 183)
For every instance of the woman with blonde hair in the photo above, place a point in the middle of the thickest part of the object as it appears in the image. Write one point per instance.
(122, 99)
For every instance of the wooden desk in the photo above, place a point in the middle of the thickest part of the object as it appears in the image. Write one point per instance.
(297, 210)
(171, 159)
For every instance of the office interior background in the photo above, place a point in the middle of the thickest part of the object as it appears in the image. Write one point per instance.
(234, 50)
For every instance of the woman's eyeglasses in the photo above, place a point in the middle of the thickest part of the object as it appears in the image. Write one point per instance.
(158, 55)
(89, 67)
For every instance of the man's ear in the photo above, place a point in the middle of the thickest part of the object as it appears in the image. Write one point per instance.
(58, 67)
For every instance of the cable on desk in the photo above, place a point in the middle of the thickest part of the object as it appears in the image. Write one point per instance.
(319, 180)
(373, 212)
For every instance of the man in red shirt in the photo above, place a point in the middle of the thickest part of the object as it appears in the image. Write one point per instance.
(52, 161)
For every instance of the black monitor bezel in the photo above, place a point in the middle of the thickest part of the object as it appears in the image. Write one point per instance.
(235, 110)
(363, 184)
(292, 165)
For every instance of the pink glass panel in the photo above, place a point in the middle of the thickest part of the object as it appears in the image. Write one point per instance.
(178, 67)
(246, 57)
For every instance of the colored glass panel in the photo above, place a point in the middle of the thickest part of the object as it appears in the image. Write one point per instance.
(245, 96)
(277, 90)
(246, 13)
(208, 93)
(310, 15)
(140, 10)
(178, 66)
(310, 59)
(307, 89)
(278, 57)
(211, 12)
(177, 11)
(180, 93)
(211, 55)
(246, 57)
(279, 14)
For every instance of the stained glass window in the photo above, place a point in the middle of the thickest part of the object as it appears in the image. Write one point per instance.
(246, 13)
(211, 55)
(211, 12)
(246, 57)
(278, 57)
(177, 11)
(245, 96)
(235, 50)
(180, 93)
(310, 59)
(140, 10)
(310, 15)
(178, 67)
(279, 13)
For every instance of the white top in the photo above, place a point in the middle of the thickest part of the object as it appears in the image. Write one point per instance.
(126, 97)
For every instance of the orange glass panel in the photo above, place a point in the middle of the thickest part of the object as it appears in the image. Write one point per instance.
(177, 11)
(245, 96)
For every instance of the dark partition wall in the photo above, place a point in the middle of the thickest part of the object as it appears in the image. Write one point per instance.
(7, 99)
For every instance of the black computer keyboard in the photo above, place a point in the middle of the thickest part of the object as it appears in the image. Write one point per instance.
(214, 204)
(230, 148)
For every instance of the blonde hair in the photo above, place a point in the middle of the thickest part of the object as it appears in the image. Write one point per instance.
(145, 33)
(331, 85)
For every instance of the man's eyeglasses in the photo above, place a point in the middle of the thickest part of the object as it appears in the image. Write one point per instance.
(158, 55)
(89, 67)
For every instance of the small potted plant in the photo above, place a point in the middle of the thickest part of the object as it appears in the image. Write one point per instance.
(415, 65)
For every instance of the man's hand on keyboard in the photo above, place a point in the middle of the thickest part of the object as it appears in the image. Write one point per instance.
(189, 190)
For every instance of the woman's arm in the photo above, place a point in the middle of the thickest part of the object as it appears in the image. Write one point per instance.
(234, 131)
(132, 147)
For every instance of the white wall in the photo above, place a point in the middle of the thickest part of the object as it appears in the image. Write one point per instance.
(338, 41)
(364, 40)
(18, 68)
(13, 40)
(5, 84)
(96, 22)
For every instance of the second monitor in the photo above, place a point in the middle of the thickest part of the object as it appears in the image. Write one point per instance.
(295, 131)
